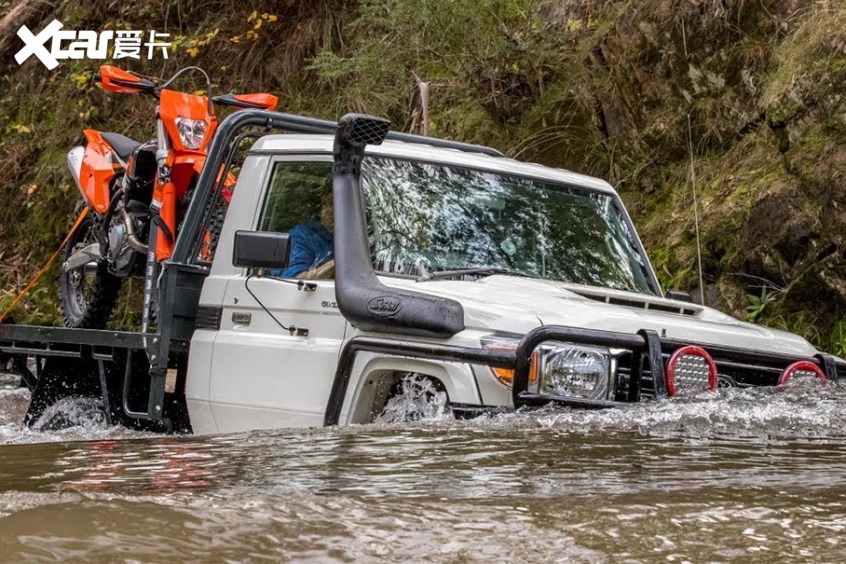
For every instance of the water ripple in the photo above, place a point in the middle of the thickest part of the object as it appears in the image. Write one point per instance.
(732, 475)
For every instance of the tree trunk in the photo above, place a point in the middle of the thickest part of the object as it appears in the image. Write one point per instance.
(22, 13)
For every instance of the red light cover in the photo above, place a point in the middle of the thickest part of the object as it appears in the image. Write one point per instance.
(690, 350)
(801, 366)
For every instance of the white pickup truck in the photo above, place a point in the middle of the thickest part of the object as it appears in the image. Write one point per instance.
(503, 284)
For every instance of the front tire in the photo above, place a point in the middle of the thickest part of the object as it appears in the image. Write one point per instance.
(88, 294)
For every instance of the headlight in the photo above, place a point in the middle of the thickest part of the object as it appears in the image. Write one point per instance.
(191, 132)
(570, 370)
(561, 369)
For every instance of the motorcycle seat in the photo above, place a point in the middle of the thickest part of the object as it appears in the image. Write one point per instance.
(123, 145)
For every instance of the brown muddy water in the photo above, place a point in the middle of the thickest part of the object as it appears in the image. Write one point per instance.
(734, 476)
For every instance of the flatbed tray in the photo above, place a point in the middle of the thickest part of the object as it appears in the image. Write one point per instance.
(63, 341)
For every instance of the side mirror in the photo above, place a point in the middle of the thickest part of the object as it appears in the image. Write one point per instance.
(679, 295)
(261, 249)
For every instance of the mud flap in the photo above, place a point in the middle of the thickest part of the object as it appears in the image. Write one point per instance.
(62, 378)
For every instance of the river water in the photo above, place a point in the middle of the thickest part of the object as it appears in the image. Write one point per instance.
(731, 476)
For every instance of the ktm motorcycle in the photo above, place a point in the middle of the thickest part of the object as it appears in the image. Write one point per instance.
(137, 192)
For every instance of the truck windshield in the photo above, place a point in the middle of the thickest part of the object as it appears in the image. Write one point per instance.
(427, 218)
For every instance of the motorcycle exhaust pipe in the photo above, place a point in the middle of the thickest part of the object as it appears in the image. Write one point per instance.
(132, 235)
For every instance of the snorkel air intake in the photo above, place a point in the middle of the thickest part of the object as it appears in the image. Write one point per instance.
(364, 301)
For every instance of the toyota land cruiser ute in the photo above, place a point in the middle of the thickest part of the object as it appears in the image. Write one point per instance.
(501, 284)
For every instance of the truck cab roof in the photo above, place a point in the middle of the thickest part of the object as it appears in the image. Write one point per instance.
(311, 143)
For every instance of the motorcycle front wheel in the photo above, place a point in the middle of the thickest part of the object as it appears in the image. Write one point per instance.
(89, 293)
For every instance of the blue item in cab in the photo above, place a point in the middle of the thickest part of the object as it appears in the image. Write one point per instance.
(311, 245)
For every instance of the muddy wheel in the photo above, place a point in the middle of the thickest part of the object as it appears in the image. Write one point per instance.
(88, 294)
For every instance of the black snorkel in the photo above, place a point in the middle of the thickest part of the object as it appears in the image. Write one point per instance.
(364, 301)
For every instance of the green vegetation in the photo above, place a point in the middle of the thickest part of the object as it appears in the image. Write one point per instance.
(605, 87)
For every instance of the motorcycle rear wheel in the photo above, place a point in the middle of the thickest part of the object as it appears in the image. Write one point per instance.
(88, 294)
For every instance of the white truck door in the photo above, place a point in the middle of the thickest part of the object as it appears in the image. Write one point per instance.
(241, 213)
(263, 373)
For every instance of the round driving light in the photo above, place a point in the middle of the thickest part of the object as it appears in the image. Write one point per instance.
(573, 370)
(801, 369)
(690, 369)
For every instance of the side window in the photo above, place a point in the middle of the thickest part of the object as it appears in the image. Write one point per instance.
(299, 202)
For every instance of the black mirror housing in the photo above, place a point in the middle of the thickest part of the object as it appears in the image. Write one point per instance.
(261, 249)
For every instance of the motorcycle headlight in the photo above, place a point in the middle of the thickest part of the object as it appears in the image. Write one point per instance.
(570, 370)
(191, 132)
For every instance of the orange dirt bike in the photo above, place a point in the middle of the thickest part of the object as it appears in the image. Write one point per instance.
(136, 192)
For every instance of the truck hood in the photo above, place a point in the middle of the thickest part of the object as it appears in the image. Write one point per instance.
(517, 305)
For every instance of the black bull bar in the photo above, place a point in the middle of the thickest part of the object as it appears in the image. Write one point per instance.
(648, 350)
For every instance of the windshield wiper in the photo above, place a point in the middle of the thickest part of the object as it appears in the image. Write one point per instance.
(481, 271)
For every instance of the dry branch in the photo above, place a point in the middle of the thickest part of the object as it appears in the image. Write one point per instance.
(22, 13)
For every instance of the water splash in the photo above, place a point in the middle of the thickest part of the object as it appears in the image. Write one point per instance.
(71, 419)
(803, 408)
(418, 400)
(84, 412)
(9, 380)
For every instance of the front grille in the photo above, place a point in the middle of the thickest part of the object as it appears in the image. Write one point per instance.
(749, 374)
(729, 373)
(633, 354)
(624, 373)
